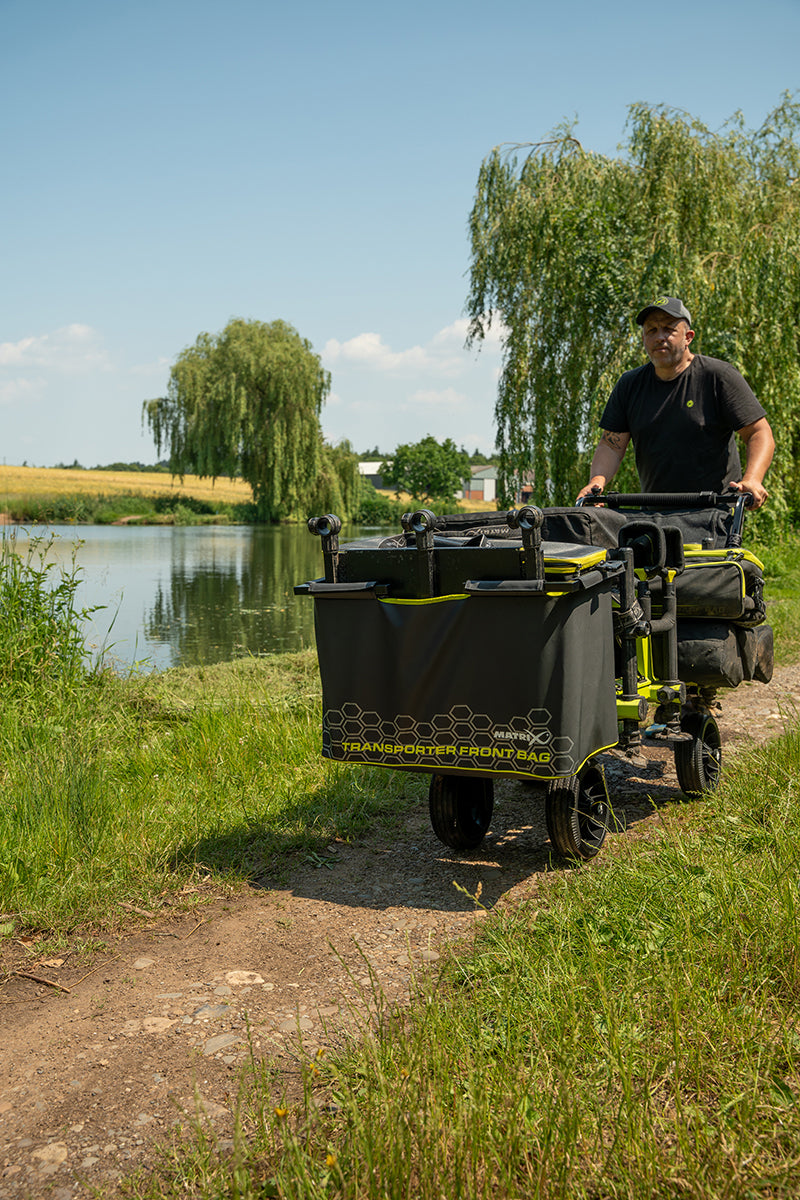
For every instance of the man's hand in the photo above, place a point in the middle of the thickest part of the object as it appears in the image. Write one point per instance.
(594, 485)
(756, 489)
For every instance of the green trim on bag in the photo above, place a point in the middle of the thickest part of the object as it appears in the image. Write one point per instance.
(566, 566)
(720, 562)
(426, 600)
(694, 550)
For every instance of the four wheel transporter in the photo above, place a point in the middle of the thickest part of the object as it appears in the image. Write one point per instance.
(523, 645)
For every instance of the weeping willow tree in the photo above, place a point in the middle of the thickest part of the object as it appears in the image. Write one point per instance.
(246, 402)
(567, 245)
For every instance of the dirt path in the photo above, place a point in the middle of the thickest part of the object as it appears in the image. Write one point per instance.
(92, 1075)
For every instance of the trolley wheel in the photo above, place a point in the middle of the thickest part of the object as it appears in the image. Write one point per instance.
(698, 763)
(461, 809)
(577, 813)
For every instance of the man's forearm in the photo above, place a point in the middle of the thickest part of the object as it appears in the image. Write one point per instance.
(759, 449)
(605, 463)
(606, 460)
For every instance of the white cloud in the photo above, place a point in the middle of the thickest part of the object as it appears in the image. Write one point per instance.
(430, 398)
(454, 334)
(12, 391)
(72, 349)
(12, 353)
(385, 395)
(370, 350)
(444, 354)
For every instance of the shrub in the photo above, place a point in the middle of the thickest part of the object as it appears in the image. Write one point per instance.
(374, 508)
(41, 635)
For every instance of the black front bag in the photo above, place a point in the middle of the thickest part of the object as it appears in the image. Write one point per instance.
(482, 684)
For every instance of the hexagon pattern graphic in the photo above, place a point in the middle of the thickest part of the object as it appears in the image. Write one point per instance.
(459, 738)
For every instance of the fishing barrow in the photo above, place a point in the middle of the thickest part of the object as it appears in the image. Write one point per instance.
(523, 645)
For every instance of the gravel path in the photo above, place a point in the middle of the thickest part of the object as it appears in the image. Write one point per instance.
(127, 1050)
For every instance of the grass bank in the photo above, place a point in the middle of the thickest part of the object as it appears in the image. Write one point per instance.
(634, 1034)
(218, 768)
(127, 789)
(124, 789)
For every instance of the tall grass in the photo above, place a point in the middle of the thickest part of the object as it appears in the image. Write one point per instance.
(132, 787)
(635, 1033)
(41, 638)
(782, 592)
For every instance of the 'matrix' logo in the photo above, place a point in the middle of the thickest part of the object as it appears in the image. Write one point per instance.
(536, 737)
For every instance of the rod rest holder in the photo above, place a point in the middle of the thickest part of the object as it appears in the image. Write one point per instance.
(529, 521)
(423, 524)
(328, 528)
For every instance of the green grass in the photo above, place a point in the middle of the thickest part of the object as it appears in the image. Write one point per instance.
(90, 508)
(782, 592)
(636, 1034)
(125, 789)
(135, 786)
(40, 627)
(170, 508)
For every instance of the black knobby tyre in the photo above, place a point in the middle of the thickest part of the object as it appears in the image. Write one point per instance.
(577, 813)
(461, 810)
(698, 763)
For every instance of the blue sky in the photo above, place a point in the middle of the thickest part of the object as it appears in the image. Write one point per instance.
(168, 165)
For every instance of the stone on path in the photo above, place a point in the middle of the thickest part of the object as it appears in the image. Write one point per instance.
(54, 1154)
(220, 1042)
(238, 978)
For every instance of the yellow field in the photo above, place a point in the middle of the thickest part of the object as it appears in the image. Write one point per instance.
(16, 482)
(472, 506)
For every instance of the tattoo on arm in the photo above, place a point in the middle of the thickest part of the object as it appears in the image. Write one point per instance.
(617, 441)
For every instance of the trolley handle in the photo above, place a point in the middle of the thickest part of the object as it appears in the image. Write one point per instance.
(666, 499)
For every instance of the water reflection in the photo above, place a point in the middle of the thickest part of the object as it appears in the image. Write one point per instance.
(194, 595)
(235, 597)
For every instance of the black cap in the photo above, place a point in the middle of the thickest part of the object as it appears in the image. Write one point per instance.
(668, 304)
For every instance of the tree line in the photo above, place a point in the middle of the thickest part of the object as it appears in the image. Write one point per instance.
(566, 245)
(246, 402)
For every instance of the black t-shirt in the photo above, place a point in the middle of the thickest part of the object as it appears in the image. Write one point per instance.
(683, 429)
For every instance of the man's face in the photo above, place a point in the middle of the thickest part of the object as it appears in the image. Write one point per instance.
(666, 341)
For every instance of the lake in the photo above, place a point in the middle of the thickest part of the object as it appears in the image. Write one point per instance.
(191, 595)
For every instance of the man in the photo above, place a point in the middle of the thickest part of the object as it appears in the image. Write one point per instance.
(682, 411)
